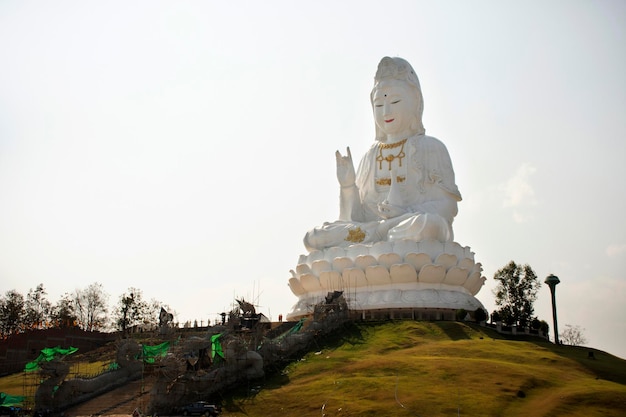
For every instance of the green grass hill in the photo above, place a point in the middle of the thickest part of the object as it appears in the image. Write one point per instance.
(418, 368)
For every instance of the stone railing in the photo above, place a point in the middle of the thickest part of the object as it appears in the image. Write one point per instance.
(514, 330)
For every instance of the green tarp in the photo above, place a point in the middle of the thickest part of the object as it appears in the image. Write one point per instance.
(48, 354)
(150, 353)
(216, 346)
(297, 327)
(7, 400)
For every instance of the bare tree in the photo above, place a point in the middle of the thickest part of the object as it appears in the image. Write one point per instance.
(11, 313)
(37, 309)
(573, 335)
(63, 312)
(131, 310)
(91, 307)
(153, 316)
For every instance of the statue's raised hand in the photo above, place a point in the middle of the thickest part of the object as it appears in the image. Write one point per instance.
(345, 169)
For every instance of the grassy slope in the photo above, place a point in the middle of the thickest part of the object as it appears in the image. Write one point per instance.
(427, 369)
(412, 368)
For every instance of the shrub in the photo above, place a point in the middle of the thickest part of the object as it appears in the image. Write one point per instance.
(480, 315)
(495, 316)
(535, 324)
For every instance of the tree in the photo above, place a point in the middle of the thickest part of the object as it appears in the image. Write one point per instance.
(573, 335)
(131, 310)
(37, 309)
(63, 312)
(11, 313)
(516, 293)
(90, 306)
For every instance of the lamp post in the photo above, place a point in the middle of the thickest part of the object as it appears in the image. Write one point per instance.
(552, 280)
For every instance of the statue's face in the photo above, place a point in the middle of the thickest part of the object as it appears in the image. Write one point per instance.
(395, 107)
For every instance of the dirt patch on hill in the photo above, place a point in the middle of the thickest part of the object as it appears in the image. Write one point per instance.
(102, 353)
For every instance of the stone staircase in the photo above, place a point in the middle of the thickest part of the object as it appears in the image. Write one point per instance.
(121, 401)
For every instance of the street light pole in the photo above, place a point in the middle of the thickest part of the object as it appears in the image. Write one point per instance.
(552, 280)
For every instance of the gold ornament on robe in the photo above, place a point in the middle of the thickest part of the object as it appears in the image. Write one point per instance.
(355, 235)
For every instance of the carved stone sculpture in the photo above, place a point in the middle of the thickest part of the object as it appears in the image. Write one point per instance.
(393, 244)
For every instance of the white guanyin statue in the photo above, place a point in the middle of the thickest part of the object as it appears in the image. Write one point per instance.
(393, 245)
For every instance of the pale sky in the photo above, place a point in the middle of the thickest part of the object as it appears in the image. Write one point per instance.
(186, 147)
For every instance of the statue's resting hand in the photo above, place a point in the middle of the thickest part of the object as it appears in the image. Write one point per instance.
(345, 169)
(389, 211)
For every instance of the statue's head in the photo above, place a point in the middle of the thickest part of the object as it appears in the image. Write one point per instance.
(399, 72)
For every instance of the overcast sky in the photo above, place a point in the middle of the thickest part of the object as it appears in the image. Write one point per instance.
(185, 147)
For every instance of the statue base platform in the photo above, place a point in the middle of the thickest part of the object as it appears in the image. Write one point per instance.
(401, 301)
(396, 276)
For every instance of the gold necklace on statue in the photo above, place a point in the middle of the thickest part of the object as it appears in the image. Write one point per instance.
(390, 158)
